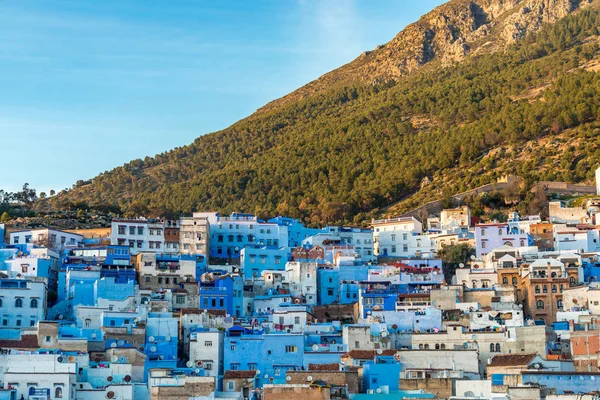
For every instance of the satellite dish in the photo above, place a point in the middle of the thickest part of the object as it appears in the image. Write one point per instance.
(113, 345)
(168, 338)
(73, 326)
(151, 339)
(315, 347)
(266, 376)
(461, 265)
(153, 349)
(93, 335)
(379, 351)
(121, 342)
(309, 378)
(189, 364)
(258, 372)
(378, 390)
(288, 378)
(472, 257)
(114, 359)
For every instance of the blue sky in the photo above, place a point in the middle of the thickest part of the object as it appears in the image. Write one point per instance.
(90, 85)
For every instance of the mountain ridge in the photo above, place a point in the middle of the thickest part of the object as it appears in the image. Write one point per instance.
(344, 151)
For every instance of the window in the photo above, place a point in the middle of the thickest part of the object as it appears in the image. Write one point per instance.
(180, 299)
(545, 289)
(132, 230)
(572, 281)
(28, 239)
(405, 248)
(498, 348)
(499, 231)
(393, 238)
(87, 323)
(48, 339)
(537, 288)
(505, 281)
(482, 232)
(4, 322)
(393, 248)
(147, 279)
(140, 230)
(492, 348)
(483, 245)
(208, 343)
(540, 305)
(329, 292)
(277, 371)
(297, 320)
(559, 304)
(24, 267)
(514, 280)
(553, 288)
(19, 303)
(404, 236)
(58, 392)
(18, 322)
(230, 385)
(121, 229)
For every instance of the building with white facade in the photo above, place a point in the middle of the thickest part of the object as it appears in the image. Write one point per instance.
(22, 302)
(194, 234)
(140, 235)
(46, 237)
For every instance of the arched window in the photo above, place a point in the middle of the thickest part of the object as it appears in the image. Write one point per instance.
(562, 287)
(437, 346)
(443, 346)
(420, 346)
(545, 289)
(19, 303)
(33, 303)
(514, 280)
(559, 304)
(0, 302)
(426, 346)
(553, 288)
(537, 288)
(497, 347)
(492, 347)
(87, 323)
(508, 243)
(58, 392)
(540, 305)
(553, 275)
(505, 281)
(572, 281)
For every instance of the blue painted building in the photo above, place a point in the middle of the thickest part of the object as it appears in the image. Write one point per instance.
(383, 371)
(218, 294)
(273, 354)
(297, 232)
(256, 259)
(229, 235)
(564, 382)
(161, 341)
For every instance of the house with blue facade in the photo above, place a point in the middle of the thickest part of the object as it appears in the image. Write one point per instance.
(382, 371)
(222, 293)
(273, 354)
(563, 382)
(297, 232)
(256, 259)
(230, 234)
(162, 337)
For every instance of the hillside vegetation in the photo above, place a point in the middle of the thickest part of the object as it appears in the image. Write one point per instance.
(347, 151)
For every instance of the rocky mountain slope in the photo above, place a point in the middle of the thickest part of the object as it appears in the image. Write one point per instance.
(445, 36)
(452, 98)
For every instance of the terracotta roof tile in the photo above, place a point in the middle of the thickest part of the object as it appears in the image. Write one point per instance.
(368, 354)
(239, 374)
(324, 367)
(506, 360)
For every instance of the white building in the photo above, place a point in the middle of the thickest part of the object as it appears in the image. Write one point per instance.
(302, 279)
(570, 239)
(139, 234)
(22, 302)
(194, 234)
(206, 350)
(46, 237)
(53, 374)
(400, 237)
(360, 239)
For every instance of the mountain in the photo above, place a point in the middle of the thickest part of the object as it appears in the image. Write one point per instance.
(472, 91)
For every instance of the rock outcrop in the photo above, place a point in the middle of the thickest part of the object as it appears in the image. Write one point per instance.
(445, 35)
